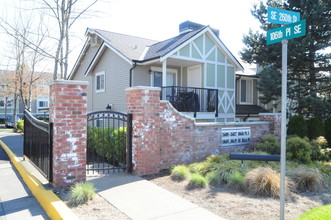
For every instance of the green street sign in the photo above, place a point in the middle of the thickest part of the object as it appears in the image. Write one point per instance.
(290, 31)
(280, 16)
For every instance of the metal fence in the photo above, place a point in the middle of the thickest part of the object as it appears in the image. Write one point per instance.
(38, 145)
(108, 142)
(191, 99)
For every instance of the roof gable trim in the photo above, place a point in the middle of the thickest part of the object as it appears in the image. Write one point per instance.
(99, 54)
(218, 41)
(80, 57)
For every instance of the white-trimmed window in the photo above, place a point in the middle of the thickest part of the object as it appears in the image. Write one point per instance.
(100, 81)
(246, 91)
(42, 104)
(2, 103)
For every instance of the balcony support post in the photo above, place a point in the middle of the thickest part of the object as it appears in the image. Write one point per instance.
(164, 73)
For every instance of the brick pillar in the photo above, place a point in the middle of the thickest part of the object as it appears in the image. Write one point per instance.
(68, 108)
(144, 104)
(275, 122)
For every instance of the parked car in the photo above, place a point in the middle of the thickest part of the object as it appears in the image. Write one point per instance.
(9, 121)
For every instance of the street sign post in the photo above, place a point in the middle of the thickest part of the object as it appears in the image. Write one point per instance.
(290, 31)
(294, 29)
(280, 16)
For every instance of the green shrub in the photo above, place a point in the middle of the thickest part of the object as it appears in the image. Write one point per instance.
(306, 178)
(316, 153)
(20, 125)
(179, 173)
(217, 158)
(268, 143)
(298, 149)
(297, 126)
(237, 180)
(327, 130)
(315, 127)
(80, 193)
(215, 178)
(108, 142)
(197, 181)
(200, 167)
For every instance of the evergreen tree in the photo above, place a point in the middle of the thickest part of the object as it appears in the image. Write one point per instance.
(297, 126)
(327, 130)
(315, 127)
(308, 61)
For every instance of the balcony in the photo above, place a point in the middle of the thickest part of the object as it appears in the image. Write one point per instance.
(191, 99)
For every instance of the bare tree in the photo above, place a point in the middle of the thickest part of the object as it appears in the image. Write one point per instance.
(7, 79)
(66, 13)
(27, 40)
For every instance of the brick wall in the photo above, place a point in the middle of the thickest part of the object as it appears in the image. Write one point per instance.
(68, 110)
(275, 120)
(163, 137)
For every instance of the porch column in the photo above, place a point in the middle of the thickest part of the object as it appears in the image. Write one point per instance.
(164, 73)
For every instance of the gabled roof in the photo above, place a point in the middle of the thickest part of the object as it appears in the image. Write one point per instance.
(166, 48)
(130, 46)
(137, 49)
(159, 49)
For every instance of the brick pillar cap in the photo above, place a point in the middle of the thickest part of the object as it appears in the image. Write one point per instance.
(143, 88)
(68, 82)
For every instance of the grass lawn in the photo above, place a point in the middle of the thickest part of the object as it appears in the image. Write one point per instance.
(321, 213)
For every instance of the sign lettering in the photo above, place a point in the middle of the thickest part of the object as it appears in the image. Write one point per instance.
(280, 16)
(290, 31)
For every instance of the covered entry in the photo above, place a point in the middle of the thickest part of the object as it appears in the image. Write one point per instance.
(109, 146)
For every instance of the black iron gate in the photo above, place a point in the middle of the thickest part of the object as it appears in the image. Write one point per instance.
(38, 145)
(109, 147)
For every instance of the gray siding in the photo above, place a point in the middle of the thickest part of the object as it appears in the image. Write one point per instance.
(81, 70)
(116, 80)
(141, 76)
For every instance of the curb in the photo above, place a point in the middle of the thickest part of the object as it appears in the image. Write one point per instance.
(55, 208)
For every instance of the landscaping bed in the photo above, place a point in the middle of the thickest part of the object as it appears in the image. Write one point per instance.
(251, 190)
(229, 203)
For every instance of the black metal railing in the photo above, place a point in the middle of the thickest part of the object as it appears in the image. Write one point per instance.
(38, 146)
(109, 147)
(191, 99)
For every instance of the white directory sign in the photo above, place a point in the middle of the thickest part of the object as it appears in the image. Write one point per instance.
(236, 136)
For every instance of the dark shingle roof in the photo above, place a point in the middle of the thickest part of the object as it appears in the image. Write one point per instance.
(249, 109)
(130, 46)
(162, 48)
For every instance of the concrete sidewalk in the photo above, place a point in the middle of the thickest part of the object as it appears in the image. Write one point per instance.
(141, 199)
(16, 200)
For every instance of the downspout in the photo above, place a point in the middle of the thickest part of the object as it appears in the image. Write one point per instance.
(131, 71)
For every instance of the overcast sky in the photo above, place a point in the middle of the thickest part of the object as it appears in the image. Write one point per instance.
(159, 19)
